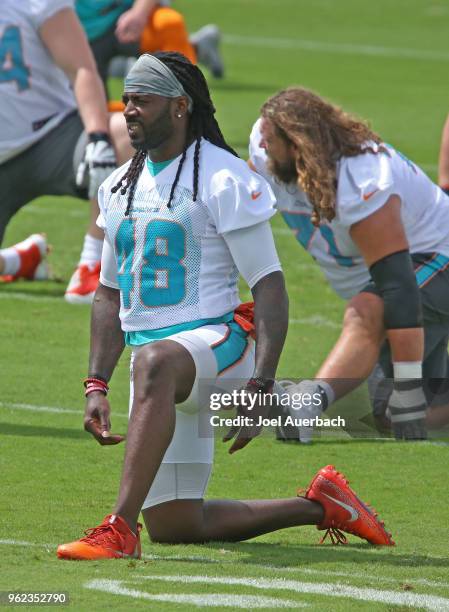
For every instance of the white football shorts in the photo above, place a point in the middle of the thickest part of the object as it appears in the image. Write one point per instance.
(224, 357)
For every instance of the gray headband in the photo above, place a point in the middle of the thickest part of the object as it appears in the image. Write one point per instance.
(150, 75)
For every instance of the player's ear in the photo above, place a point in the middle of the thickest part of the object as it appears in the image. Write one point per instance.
(181, 107)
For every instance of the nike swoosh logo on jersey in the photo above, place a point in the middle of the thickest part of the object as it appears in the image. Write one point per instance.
(255, 194)
(352, 511)
(367, 196)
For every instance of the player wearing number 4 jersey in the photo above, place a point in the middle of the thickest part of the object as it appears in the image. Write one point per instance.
(361, 208)
(49, 94)
(181, 220)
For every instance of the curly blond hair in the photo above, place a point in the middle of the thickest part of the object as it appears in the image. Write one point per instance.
(321, 133)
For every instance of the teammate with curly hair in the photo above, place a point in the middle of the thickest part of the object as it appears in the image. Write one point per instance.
(356, 203)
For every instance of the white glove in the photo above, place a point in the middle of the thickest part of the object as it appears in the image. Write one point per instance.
(306, 405)
(306, 401)
(98, 163)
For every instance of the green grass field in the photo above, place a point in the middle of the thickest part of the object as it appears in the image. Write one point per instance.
(386, 61)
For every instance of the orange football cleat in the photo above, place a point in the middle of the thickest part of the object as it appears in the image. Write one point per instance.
(83, 284)
(33, 266)
(113, 539)
(344, 511)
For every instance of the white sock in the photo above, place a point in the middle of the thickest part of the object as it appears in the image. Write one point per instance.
(91, 252)
(11, 260)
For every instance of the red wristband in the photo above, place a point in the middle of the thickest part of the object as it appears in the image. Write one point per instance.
(92, 384)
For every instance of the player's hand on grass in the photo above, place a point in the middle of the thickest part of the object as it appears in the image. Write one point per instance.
(97, 164)
(97, 420)
(250, 409)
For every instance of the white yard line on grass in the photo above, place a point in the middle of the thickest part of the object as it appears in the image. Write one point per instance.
(361, 576)
(29, 297)
(53, 409)
(23, 543)
(273, 568)
(183, 558)
(43, 210)
(304, 570)
(210, 600)
(414, 600)
(20, 543)
(322, 46)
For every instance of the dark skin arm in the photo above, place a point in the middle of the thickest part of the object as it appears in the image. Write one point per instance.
(271, 322)
(106, 346)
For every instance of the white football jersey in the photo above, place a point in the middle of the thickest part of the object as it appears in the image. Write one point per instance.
(365, 183)
(173, 264)
(332, 248)
(35, 94)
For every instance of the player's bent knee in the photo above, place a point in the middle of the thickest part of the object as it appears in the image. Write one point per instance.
(364, 314)
(151, 363)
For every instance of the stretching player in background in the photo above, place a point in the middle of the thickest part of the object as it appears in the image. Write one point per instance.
(131, 27)
(180, 223)
(47, 146)
(367, 204)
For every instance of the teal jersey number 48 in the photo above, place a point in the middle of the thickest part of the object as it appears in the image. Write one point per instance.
(161, 279)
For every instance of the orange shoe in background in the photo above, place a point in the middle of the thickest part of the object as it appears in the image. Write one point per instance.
(113, 539)
(83, 284)
(344, 511)
(32, 252)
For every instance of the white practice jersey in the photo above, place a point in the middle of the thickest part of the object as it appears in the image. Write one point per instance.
(365, 183)
(35, 94)
(173, 264)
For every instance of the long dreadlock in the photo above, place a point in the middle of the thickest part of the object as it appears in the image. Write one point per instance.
(202, 124)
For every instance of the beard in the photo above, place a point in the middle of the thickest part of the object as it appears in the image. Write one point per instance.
(283, 172)
(153, 135)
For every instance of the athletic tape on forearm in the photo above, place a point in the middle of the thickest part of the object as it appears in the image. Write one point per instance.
(395, 279)
(407, 402)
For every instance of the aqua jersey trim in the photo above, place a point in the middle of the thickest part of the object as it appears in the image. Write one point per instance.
(137, 338)
(431, 268)
(231, 348)
(155, 167)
